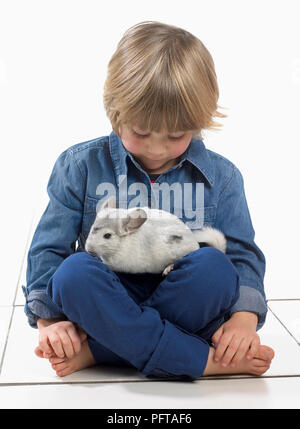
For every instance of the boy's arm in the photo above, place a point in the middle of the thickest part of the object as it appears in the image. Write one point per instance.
(55, 236)
(233, 219)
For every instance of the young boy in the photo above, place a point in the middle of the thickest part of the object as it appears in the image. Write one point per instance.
(160, 93)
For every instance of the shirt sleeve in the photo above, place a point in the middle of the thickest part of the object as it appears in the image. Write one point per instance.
(55, 236)
(233, 219)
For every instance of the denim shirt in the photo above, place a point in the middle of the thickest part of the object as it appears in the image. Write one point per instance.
(75, 192)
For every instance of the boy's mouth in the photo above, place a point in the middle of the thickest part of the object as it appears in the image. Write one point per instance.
(152, 158)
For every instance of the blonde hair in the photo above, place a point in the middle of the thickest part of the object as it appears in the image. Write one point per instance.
(161, 77)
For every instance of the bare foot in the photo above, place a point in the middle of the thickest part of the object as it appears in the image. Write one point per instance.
(65, 366)
(256, 366)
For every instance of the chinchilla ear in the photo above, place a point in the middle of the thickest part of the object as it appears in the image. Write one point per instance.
(133, 221)
(110, 203)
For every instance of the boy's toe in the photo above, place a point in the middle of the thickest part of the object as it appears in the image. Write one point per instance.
(265, 353)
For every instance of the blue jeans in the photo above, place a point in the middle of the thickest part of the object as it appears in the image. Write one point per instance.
(161, 326)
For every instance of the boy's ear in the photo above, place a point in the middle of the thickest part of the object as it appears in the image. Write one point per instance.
(110, 203)
(133, 221)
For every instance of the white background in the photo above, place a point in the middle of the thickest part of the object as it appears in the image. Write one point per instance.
(53, 64)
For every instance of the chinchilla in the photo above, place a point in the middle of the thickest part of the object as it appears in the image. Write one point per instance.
(144, 240)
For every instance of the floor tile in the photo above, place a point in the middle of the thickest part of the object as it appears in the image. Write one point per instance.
(31, 369)
(254, 393)
(287, 352)
(288, 312)
(22, 365)
(5, 315)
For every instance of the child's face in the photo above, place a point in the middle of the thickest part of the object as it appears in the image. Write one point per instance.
(156, 152)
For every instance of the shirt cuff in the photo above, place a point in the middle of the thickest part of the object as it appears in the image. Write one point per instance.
(179, 353)
(39, 305)
(251, 300)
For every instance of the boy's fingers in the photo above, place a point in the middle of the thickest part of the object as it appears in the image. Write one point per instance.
(43, 344)
(48, 356)
(217, 335)
(66, 344)
(253, 349)
(231, 350)
(222, 346)
(56, 359)
(51, 352)
(241, 352)
(39, 352)
(55, 342)
(75, 339)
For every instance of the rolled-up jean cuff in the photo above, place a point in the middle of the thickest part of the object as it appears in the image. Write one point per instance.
(178, 353)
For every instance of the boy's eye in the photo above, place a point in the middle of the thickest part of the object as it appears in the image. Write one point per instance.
(140, 135)
(176, 138)
(146, 135)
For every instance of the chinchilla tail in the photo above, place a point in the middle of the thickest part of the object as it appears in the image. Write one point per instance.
(212, 236)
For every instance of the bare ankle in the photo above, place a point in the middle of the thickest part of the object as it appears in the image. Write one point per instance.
(214, 368)
(211, 366)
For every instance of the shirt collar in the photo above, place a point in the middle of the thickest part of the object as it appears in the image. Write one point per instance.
(196, 154)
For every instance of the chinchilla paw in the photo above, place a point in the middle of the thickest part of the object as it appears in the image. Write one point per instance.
(168, 269)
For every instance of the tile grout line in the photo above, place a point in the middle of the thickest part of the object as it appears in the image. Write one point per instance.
(295, 339)
(6, 339)
(16, 291)
(208, 378)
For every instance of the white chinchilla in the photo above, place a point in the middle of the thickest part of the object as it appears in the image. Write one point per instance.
(144, 240)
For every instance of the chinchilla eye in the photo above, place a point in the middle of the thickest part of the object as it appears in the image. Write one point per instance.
(107, 235)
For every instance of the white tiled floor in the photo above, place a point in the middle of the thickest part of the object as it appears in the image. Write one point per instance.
(29, 382)
(288, 312)
(272, 393)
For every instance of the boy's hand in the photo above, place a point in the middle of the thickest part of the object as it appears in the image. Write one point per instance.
(61, 339)
(235, 338)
